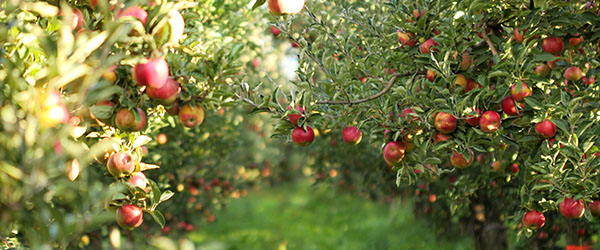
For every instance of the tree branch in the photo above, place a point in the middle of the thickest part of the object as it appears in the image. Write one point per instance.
(488, 41)
(387, 88)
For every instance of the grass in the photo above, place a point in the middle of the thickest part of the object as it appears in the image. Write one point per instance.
(300, 216)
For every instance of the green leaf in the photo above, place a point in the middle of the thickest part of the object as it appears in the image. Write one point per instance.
(258, 4)
(102, 112)
(165, 196)
(158, 217)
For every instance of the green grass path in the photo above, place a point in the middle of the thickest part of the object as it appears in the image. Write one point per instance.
(300, 216)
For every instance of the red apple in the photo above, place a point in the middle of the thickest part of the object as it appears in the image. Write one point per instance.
(466, 61)
(152, 73)
(51, 116)
(552, 45)
(191, 116)
(285, 7)
(120, 164)
(173, 109)
(589, 81)
(473, 120)
(407, 111)
(518, 37)
(167, 94)
(461, 81)
(572, 209)
(552, 64)
(573, 74)
(497, 166)
(445, 123)
(275, 31)
(139, 179)
(296, 45)
(489, 121)
(134, 11)
(431, 75)
(472, 84)
(575, 41)
(459, 161)
(543, 236)
(439, 137)
(76, 20)
(406, 38)
(546, 129)
(131, 120)
(520, 94)
(295, 117)
(161, 138)
(509, 105)
(303, 137)
(130, 216)
(351, 135)
(393, 152)
(534, 219)
(594, 208)
(514, 168)
(543, 70)
(427, 46)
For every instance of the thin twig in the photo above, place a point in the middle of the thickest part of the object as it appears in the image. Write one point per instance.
(387, 88)
(489, 42)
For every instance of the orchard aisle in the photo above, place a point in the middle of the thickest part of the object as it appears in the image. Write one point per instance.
(298, 216)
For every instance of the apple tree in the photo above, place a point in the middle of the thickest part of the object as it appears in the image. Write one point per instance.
(112, 111)
(491, 103)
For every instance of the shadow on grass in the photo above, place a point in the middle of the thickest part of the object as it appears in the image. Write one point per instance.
(300, 216)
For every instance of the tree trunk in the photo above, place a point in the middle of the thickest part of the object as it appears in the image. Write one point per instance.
(487, 228)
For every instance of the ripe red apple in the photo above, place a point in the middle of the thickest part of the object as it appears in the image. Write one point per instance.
(543, 236)
(552, 64)
(427, 46)
(134, 11)
(552, 45)
(406, 38)
(431, 75)
(514, 168)
(489, 121)
(120, 164)
(461, 80)
(130, 216)
(518, 37)
(93, 4)
(459, 161)
(171, 31)
(161, 138)
(295, 117)
(393, 152)
(152, 73)
(77, 19)
(509, 105)
(167, 94)
(52, 116)
(466, 61)
(573, 74)
(572, 209)
(303, 137)
(138, 179)
(191, 116)
(173, 109)
(543, 70)
(275, 31)
(589, 81)
(131, 120)
(497, 166)
(445, 123)
(534, 219)
(520, 94)
(439, 137)
(407, 111)
(296, 45)
(546, 129)
(594, 208)
(285, 7)
(472, 84)
(473, 120)
(351, 135)
(575, 41)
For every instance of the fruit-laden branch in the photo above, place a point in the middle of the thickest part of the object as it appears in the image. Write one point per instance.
(387, 88)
